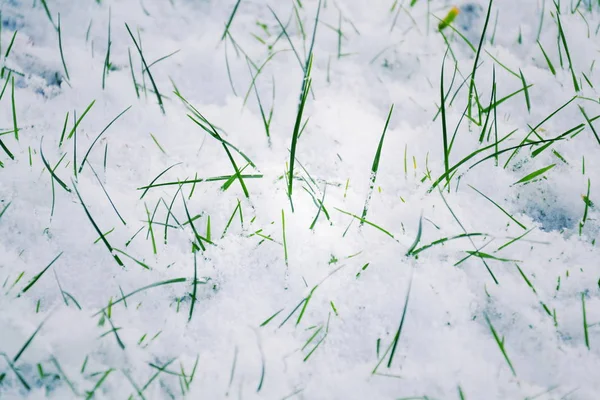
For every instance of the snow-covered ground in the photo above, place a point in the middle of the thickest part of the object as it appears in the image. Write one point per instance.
(108, 231)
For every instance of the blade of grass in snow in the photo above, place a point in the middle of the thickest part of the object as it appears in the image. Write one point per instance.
(159, 60)
(90, 394)
(496, 103)
(62, 375)
(135, 84)
(107, 195)
(169, 214)
(197, 236)
(50, 170)
(6, 150)
(465, 231)
(157, 284)
(158, 96)
(467, 158)
(108, 246)
(305, 90)
(375, 166)
(444, 126)
(444, 240)
(394, 345)
(561, 34)
(209, 128)
(305, 304)
(64, 130)
(237, 4)
(525, 90)
(535, 174)
(550, 66)
(259, 70)
(527, 143)
(28, 342)
(98, 137)
(80, 119)
(10, 45)
(585, 324)
(500, 343)
(500, 208)
(48, 13)
(237, 207)
(34, 280)
(589, 122)
(417, 238)
(285, 250)
(5, 208)
(586, 201)
(199, 180)
(513, 240)
(482, 255)
(107, 63)
(366, 222)
(75, 146)
(459, 33)
(510, 71)
(14, 109)
(62, 56)
(472, 82)
(284, 30)
(146, 188)
(194, 289)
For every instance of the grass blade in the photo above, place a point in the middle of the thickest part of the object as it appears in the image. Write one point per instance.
(375, 166)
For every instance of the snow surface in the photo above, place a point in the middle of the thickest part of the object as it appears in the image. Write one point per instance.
(446, 347)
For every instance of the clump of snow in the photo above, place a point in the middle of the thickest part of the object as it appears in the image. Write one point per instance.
(222, 295)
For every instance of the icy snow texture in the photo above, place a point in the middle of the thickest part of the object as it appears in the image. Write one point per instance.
(445, 342)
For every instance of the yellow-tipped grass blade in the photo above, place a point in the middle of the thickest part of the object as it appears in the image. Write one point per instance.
(454, 11)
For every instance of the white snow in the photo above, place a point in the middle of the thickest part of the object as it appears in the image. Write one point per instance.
(348, 315)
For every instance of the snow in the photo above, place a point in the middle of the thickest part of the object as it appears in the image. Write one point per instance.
(351, 283)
